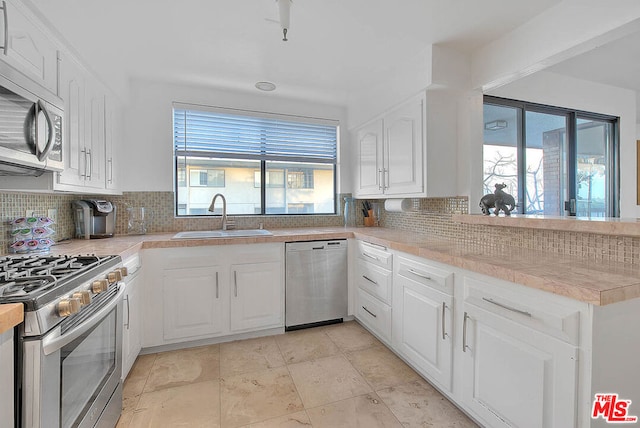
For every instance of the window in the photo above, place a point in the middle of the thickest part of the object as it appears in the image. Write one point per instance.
(263, 163)
(554, 161)
(206, 177)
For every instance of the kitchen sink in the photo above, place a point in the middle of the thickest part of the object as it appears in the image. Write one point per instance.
(199, 234)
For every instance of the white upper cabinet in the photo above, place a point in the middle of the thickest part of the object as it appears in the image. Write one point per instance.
(403, 136)
(370, 162)
(72, 91)
(27, 47)
(91, 132)
(409, 151)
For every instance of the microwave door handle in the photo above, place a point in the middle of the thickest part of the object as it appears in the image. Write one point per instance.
(5, 47)
(43, 155)
(49, 346)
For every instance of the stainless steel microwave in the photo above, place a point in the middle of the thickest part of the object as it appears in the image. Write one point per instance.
(30, 127)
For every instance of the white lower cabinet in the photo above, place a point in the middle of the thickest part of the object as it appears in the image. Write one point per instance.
(257, 300)
(6, 377)
(132, 317)
(186, 316)
(373, 283)
(515, 376)
(423, 319)
(196, 293)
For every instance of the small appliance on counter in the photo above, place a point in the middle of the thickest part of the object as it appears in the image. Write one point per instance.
(94, 219)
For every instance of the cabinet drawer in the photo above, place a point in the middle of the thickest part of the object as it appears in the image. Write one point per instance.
(526, 307)
(374, 314)
(374, 254)
(421, 273)
(374, 279)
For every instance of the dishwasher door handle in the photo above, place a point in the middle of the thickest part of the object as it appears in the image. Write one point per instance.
(318, 248)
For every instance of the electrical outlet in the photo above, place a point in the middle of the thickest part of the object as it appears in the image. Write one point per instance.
(53, 214)
(29, 213)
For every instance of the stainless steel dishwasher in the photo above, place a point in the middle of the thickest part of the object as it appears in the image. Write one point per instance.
(316, 283)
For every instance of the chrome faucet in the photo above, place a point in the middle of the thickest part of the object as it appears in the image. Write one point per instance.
(224, 208)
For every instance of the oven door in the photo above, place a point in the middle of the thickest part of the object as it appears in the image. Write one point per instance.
(73, 378)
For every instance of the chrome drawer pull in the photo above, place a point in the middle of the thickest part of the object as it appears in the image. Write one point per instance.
(421, 275)
(370, 256)
(369, 279)
(509, 308)
(369, 312)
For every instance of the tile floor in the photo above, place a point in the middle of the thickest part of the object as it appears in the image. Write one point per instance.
(334, 376)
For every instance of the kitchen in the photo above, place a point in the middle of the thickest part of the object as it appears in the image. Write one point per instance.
(522, 60)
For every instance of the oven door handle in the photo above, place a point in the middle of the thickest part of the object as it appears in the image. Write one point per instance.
(49, 346)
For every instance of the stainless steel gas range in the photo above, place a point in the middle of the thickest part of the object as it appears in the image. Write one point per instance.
(68, 352)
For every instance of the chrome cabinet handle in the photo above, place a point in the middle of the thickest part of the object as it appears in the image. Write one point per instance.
(370, 256)
(110, 162)
(421, 275)
(90, 164)
(5, 13)
(380, 179)
(84, 153)
(369, 279)
(217, 286)
(235, 282)
(507, 307)
(444, 333)
(369, 312)
(385, 177)
(128, 311)
(464, 332)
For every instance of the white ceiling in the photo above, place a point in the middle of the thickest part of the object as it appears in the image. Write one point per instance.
(616, 63)
(335, 46)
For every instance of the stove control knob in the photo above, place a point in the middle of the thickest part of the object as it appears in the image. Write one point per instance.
(114, 276)
(124, 271)
(68, 307)
(100, 285)
(83, 296)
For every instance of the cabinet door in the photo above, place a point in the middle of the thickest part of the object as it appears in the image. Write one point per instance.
(514, 375)
(422, 328)
(72, 90)
(403, 148)
(257, 296)
(95, 136)
(28, 48)
(132, 325)
(112, 129)
(369, 168)
(192, 303)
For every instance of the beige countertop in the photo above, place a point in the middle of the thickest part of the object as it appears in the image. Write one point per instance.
(11, 314)
(600, 225)
(599, 283)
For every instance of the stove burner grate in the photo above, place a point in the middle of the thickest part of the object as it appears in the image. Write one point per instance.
(24, 285)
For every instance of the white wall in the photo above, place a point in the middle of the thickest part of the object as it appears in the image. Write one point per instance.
(562, 91)
(147, 153)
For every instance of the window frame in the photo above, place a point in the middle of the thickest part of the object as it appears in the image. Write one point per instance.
(263, 162)
(572, 116)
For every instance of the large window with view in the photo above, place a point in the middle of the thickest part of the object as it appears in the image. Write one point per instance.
(262, 163)
(554, 161)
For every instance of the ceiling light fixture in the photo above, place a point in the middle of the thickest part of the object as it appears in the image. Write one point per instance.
(284, 12)
(266, 86)
(495, 125)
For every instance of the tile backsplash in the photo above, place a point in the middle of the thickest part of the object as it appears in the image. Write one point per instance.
(429, 215)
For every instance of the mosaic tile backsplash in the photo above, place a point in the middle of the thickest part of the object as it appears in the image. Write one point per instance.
(430, 215)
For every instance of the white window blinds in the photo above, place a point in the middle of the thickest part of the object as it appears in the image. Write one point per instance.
(200, 132)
